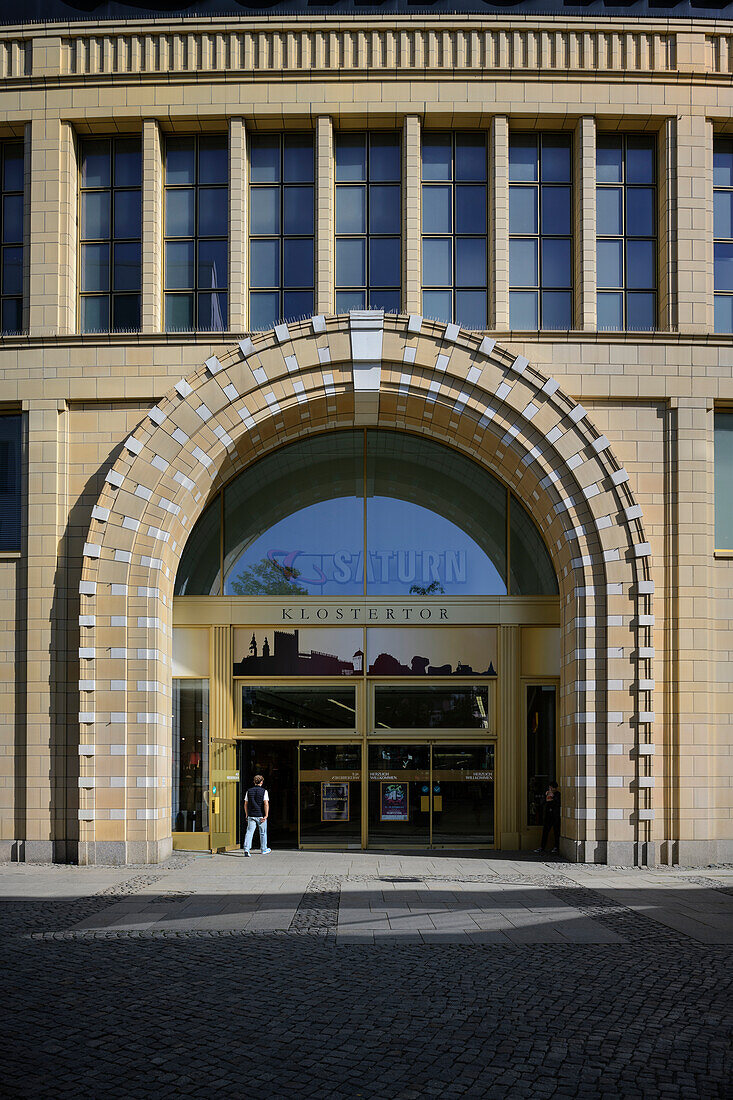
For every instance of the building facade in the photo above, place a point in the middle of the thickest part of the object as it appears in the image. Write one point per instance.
(367, 420)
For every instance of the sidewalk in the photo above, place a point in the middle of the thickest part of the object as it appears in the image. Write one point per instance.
(365, 897)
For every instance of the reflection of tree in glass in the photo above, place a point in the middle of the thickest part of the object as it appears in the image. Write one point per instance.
(435, 588)
(268, 578)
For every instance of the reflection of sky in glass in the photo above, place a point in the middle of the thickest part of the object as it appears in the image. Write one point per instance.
(322, 542)
(319, 549)
(410, 545)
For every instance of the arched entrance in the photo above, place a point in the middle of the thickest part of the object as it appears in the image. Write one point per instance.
(367, 371)
(366, 577)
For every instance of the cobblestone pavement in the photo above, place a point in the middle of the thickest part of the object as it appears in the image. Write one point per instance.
(357, 976)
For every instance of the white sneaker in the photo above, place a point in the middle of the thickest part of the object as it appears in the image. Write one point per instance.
(246, 855)
(266, 851)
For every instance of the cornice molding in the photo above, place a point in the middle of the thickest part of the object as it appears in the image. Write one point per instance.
(261, 46)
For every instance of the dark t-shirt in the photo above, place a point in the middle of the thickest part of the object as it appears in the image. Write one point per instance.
(256, 802)
(552, 808)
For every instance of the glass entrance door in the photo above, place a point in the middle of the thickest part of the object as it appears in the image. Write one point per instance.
(399, 795)
(463, 794)
(423, 795)
(330, 794)
(277, 761)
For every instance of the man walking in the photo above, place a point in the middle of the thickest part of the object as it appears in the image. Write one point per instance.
(256, 809)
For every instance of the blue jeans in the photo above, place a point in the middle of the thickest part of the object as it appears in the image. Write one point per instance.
(252, 823)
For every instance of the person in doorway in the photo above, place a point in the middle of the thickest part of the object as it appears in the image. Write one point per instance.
(256, 809)
(551, 817)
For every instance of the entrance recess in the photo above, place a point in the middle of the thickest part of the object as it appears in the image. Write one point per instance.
(419, 794)
(361, 580)
(277, 761)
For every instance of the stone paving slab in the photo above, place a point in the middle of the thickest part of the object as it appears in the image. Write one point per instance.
(697, 912)
(388, 893)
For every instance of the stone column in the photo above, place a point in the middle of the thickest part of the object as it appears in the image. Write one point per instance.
(585, 224)
(52, 228)
(667, 176)
(27, 177)
(45, 791)
(694, 223)
(12, 704)
(151, 314)
(691, 715)
(324, 216)
(148, 721)
(411, 216)
(221, 701)
(222, 757)
(508, 748)
(499, 223)
(237, 321)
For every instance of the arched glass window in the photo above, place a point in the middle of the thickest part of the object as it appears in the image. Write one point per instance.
(199, 572)
(365, 512)
(294, 522)
(532, 572)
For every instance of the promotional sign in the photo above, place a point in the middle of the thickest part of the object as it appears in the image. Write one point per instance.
(225, 776)
(455, 775)
(334, 801)
(394, 802)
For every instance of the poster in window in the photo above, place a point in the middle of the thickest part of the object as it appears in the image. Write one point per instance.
(394, 803)
(334, 801)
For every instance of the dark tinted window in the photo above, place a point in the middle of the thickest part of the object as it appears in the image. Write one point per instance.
(10, 487)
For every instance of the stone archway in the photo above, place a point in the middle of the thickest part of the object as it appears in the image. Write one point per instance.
(365, 369)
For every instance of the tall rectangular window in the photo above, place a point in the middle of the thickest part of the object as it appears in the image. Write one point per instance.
(368, 222)
(454, 228)
(196, 233)
(541, 748)
(11, 236)
(723, 233)
(10, 482)
(540, 232)
(110, 219)
(724, 480)
(190, 779)
(626, 227)
(281, 228)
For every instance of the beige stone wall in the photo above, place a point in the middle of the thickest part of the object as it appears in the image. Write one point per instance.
(652, 395)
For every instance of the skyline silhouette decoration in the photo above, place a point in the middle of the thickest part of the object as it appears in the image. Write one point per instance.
(285, 659)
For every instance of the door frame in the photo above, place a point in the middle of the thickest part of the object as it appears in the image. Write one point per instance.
(529, 835)
(228, 790)
(228, 718)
